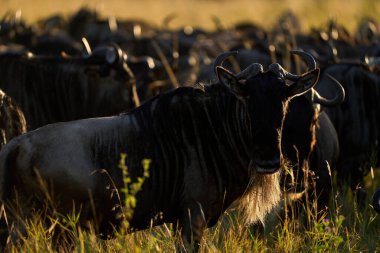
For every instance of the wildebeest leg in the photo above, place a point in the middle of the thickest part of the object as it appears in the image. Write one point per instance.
(12, 230)
(192, 225)
(3, 234)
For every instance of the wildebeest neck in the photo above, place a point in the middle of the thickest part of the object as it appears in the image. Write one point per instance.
(203, 134)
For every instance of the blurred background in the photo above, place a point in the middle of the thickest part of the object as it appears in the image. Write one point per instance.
(312, 13)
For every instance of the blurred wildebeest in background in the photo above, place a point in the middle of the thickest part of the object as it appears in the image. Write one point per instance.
(55, 88)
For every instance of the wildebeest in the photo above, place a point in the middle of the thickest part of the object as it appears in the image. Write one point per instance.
(12, 120)
(356, 121)
(308, 136)
(209, 146)
(310, 180)
(310, 143)
(54, 88)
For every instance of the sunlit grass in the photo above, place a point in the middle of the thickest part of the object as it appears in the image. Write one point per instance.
(343, 229)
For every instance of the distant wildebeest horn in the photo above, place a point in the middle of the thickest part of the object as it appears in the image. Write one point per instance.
(338, 99)
(308, 58)
(167, 19)
(221, 58)
(87, 46)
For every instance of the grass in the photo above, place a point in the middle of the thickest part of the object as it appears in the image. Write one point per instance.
(343, 228)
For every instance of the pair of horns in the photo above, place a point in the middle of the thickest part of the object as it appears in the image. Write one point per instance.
(277, 69)
(250, 71)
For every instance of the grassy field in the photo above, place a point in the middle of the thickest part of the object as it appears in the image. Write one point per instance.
(200, 12)
(343, 229)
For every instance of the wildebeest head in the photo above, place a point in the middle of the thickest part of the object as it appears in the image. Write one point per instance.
(109, 70)
(266, 95)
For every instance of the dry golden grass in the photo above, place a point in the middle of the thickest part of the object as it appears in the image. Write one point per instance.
(199, 12)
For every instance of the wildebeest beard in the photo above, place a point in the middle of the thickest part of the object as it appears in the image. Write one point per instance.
(262, 194)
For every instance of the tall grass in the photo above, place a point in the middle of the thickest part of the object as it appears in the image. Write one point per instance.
(343, 228)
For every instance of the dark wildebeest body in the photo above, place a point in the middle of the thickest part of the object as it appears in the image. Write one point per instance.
(324, 158)
(53, 89)
(356, 121)
(208, 146)
(310, 143)
(313, 175)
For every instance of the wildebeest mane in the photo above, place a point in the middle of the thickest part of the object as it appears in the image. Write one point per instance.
(211, 124)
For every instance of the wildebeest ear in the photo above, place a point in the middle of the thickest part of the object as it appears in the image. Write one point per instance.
(228, 79)
(303, 84)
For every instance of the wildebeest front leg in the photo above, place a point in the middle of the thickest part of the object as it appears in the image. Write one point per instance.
(191, 225)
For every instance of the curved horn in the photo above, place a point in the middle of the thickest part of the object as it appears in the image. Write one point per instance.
(250, 71)
(338, 99)
(218, 23)
(167, 19)
(307, 57)
(86, 46)
(221, 58)
(112, 24)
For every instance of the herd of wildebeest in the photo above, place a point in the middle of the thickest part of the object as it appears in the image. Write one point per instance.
(242, 115)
